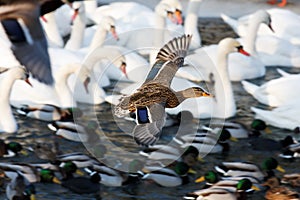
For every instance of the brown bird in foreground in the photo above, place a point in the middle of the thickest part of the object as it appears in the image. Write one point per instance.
(151, 99)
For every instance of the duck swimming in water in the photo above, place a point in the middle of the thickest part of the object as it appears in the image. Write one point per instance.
(151, 99)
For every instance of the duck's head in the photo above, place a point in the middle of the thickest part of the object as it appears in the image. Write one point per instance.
(48, 176)
(69, 168)
(260, 125)
(16, 148)
(30, 191)
(210, 177)
(270, 164)
(135, 167)
(190, 155)
(264, 17)
(230, 45)
(181, 168)
(244, 185)
(195, 92)
(226, 135)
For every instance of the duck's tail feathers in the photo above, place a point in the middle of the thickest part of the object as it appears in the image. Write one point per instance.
(233, 23)
(175, 48)
(249, 87)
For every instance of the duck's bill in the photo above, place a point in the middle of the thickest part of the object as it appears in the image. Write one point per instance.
(56, 180)
(199, 180)
(233, 139)
(24, 152)
(255, 188)
(279, 168)
(79, 172)
(268, 130)
(32, 197)
(191, 171)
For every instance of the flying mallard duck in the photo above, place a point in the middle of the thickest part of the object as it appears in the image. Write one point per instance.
(151, 99)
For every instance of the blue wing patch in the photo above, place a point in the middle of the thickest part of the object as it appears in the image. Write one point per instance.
(142, 115)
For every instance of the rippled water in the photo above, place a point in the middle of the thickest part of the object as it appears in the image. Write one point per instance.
(212, 31)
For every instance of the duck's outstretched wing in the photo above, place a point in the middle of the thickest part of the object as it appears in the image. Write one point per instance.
(169, 59)
(150, 121)
(29, 45)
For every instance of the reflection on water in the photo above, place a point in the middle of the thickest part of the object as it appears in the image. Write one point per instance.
(32, 131)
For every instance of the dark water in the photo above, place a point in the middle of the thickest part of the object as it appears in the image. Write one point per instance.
(32, 131)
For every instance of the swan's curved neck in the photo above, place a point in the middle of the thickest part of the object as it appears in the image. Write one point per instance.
(7, 82)
(251, 36)
(225, 103)
(99, 54)
(98, 38)
(61, 84)
(77, 34)
(191, 20)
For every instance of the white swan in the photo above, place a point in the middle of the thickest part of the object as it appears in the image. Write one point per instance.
(284, 116)
(7, 78)
(275, 92)
(271, 50)
(223, 106)
(137, 24)
(284, 22)
(191, 23)
(60, 95)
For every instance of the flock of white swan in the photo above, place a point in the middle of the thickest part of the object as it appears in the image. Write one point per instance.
(111, 42)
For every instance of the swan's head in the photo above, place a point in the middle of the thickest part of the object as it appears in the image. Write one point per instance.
(109, 25)
(77, 8)
(230, 45)
(263, 16)
(21, 73)
(171, 9)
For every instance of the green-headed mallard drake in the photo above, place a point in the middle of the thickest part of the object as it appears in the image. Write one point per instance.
(49, 113)
(229, 190)
(251, 169)
(209, 177)
(11, 149)
(30, 172)
(211, 141)
(167, 176)
(20, 188)
(268, 144)
(166, 154)
(291, 151)
(151, 99)
(257, 126)
(115, 178)
(279, 192)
